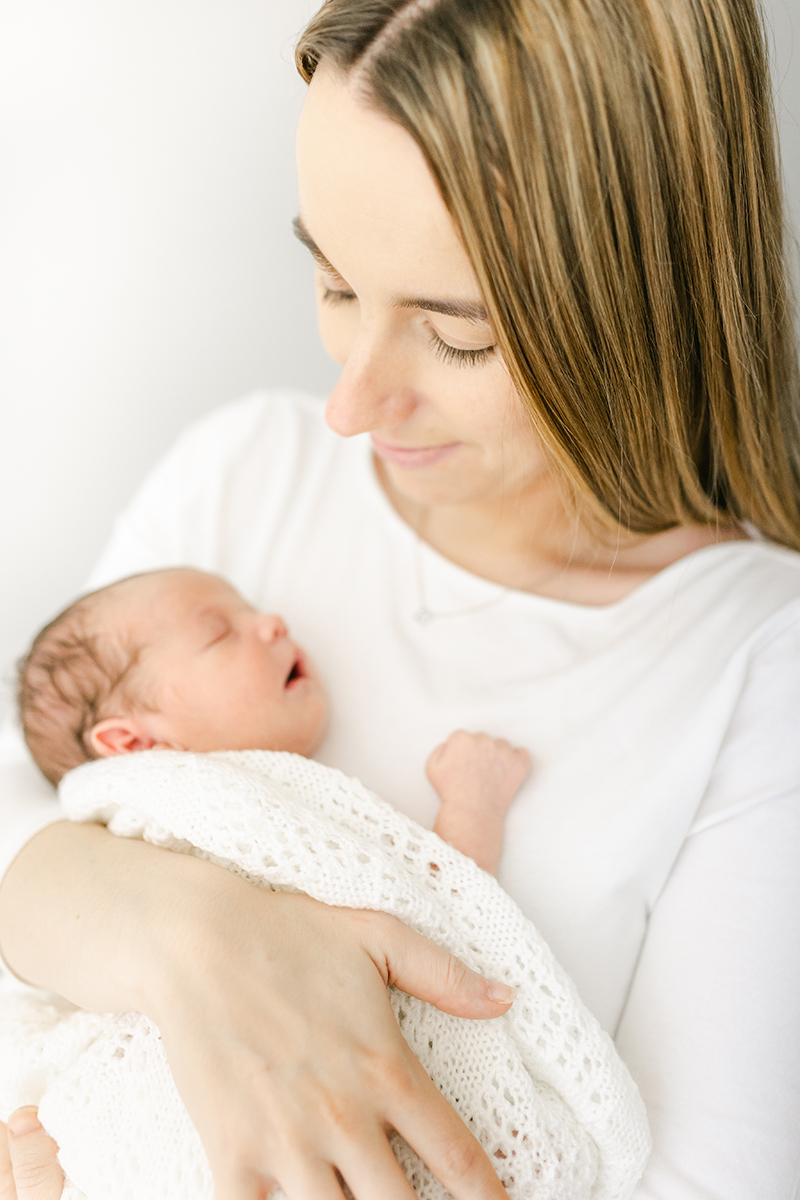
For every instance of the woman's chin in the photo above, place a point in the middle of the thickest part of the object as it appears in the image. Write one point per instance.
(450, 482)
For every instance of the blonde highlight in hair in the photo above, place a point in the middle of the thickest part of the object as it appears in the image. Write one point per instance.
(612, 170)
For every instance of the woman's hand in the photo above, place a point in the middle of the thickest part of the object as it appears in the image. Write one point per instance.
(272, 1008)
(29, 1168)
(290, 1061)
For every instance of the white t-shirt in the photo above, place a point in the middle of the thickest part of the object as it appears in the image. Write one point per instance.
(657, 843)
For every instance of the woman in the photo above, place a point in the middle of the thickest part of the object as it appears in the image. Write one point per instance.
(548, 239)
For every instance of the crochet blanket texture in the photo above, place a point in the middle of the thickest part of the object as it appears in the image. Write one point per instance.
(542, 1087)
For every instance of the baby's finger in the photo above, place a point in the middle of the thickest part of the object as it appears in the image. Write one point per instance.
(33, 1154)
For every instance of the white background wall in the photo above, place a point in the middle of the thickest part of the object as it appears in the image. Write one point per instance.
(147, 267)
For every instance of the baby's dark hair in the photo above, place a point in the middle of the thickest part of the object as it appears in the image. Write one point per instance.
(73, 676)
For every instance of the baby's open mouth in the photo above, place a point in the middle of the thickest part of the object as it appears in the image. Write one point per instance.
(297, 672)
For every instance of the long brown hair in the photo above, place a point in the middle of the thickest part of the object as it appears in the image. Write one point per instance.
(612, 169)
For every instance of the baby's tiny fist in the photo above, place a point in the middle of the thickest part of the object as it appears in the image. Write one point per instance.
(477, 765)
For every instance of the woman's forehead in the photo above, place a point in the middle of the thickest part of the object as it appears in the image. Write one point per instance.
(368, 199)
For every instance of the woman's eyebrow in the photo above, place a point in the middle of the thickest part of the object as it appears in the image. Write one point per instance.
(466, 310)
(302, 235)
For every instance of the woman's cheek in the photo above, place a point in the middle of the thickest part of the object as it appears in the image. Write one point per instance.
(337, 327)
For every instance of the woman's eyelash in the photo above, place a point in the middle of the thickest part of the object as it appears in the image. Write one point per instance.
(337, 296)
(461, 358)
(443, 350)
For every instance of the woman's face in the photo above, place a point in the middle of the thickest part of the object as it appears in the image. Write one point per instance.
(400, 309)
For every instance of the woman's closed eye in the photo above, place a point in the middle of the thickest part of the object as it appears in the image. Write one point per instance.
(443, 350)
(462, 358)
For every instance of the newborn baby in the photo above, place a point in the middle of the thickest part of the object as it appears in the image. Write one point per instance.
(177, 660)
(202, 715)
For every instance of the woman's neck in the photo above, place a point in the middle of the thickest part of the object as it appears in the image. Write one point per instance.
(533, 542)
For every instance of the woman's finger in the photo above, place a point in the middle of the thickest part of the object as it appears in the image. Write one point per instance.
(442, 1140)
(33, 1154)
(373, 1173)
(7, 1189)
(306, 1183)
(312, 1182)
(418, 966)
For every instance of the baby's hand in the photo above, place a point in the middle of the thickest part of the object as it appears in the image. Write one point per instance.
(476, 769)
(477, 777)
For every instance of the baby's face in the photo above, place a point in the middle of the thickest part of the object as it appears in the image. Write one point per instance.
(220, 675)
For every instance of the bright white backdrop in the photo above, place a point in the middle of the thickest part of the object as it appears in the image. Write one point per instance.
(147, 268)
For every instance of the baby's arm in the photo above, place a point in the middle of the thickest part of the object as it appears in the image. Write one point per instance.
(476, 778)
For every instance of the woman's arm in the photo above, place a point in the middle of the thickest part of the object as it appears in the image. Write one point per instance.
(273, 1010)
(712, 1028)
(711, 1031)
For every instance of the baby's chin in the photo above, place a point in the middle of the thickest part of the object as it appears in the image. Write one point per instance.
(317, 740)
(304, 741)
(310, 741)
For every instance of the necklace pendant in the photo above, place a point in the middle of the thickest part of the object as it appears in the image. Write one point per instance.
(423, 616)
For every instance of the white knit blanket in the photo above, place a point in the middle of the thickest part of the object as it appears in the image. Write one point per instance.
(542, 1087)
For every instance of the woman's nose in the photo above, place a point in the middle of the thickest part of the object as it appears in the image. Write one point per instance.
(372, 393)
(270, 627)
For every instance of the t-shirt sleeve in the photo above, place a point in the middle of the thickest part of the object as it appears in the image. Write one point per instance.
(174, 519)
(176, 516)
(711, 1030)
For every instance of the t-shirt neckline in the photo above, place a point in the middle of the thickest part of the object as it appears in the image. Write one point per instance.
(479, 583)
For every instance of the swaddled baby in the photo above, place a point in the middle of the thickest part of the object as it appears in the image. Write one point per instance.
(177, 660)
(204, 715)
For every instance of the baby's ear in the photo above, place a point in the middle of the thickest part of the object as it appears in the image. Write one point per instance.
(123, 735)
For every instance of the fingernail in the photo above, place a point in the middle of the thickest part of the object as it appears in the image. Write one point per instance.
(24, 1121)
(501, 993)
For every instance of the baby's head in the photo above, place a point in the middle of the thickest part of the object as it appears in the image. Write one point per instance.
(172, 660)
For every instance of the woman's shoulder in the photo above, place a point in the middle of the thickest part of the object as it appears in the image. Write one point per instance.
(751, 588)
(250, 455)
(759, 757)
(231, 475)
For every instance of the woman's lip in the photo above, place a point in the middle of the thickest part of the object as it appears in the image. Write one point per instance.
(413, 456)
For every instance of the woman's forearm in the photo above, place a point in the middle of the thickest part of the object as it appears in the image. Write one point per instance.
(82, 912)
(272, 1008)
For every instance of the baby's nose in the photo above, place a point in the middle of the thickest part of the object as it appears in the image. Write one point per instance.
(271, 627)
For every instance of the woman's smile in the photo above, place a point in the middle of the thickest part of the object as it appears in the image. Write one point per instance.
(413, 456)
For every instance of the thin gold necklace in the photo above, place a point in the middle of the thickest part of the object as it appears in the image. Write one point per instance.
(424, 614)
